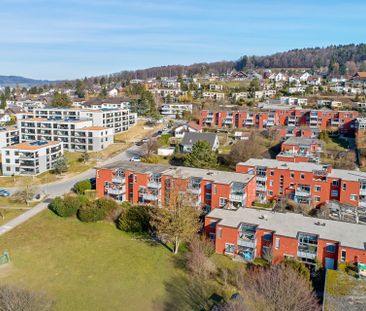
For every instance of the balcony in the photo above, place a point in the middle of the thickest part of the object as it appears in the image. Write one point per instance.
(150, 197)
(116, 191)
(300, 192)
(154, 184)
(195, 190)
(261, 178)
(118, 180)
(306, 254)
(246, 242)
(362, 204)
(260, 187)
(363, 191)
(237, 197)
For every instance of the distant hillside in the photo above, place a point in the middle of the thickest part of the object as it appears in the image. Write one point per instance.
(21, 81)
(335, 59)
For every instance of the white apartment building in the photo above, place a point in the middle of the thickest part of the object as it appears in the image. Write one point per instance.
(213, 95)
(8, 136)
(172, 110)
(30, 158)
(119, 120)
(75, 134)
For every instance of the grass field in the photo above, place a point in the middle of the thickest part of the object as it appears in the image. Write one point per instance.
(88, 266)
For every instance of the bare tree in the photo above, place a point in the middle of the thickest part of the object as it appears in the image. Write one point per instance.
(27, 190)
(198, 261)
(276, 288)
(15, 299)
(178, 221)
(244, 150)
(152, 145)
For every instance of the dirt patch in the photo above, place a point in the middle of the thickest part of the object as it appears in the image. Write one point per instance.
(6, 270)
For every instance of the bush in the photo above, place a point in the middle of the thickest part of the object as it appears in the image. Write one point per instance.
(134, 219)
(90, 213)
(58, 207)
(68, 206)
(298, 267)
(81, 186)
(93, 211)
(152, 159)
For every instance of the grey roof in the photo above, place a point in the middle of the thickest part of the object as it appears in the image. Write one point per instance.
(270, 163)
(183, 172)
(190, 138)
(303, 141)
(290, 224)
(347, 175)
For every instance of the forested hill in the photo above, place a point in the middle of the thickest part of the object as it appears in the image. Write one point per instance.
(336, 58)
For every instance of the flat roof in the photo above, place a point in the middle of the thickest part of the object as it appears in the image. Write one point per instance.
(183, 172)
(290, 224)
(303, 141)
(34, 145)
(67, 120)
(93, 128)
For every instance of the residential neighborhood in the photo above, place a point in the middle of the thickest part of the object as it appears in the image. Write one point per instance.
(206, 156)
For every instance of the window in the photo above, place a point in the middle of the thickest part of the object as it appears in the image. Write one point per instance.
(291, 186)
(223, 202)
(344, 186)
(334, 193)
(353, 197)
(271, 173)
(213, 224)
(316, 199)
(292, 175)
(330, 248)
(271, 183)
(277, 243)
(7, 152)
(270, 192)
(7, 160)
(302, 176)
(219, 233)
(343, 255)
(317, 188)
(335, 183)
(212, 236)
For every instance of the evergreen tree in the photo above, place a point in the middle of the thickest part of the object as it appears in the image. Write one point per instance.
(202, 156)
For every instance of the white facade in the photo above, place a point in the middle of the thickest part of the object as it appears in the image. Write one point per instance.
(76, 135)
(8, 136)
(213, 95)
(175, 109)
(30, 158)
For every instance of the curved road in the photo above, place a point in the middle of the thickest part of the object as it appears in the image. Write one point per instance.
(60, 187)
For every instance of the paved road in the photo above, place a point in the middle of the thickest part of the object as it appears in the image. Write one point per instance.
(61, 187)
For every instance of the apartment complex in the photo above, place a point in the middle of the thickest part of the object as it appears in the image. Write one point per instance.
(78, 129)
(141, 183)
(30, 158)
(306, 183)
(8, 136)
(173, 110)
(344, 121)
(75, 134)
(250, 233)
(117, 119)
(301, 149)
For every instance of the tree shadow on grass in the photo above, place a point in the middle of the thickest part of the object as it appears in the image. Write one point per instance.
(184, 293)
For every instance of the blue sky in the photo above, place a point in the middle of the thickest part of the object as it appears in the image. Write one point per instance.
(66, 39)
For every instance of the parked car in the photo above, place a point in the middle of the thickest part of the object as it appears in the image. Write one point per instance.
(4, 193)
(139, 143)
(135, 158)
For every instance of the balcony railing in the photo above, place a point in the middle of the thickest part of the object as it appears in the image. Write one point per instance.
(194, 190)
(118, 180)
(306, 254)
(237, 197)
(259, 187)
(302, 193)
(150, 197)
(246, 243)
(116, 191)
(154, 184)
(362, 191)
(261, 177)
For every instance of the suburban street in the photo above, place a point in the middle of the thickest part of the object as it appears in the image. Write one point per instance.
(60, 187)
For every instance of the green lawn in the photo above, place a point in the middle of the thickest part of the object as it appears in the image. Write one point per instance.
(89, 266)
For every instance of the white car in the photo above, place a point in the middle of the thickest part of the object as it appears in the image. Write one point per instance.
(135, 158)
